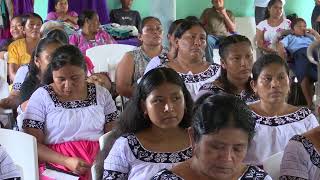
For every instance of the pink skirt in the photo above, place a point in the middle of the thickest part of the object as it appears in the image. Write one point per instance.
(86, 150)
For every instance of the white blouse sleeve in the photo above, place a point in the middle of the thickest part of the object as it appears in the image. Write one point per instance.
(35, 114)
(116, 165)
(262, 25)
(312, 122)
(20, 77)
(294, 163)
(110, 109)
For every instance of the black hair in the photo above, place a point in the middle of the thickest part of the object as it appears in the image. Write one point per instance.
(133, 120)
(26, 17)
(270, 4)
(295, 21)
(185, 26)
(144, 22)
(58, 34)
(224, 46)
(213, 112)
(192, 18)
(62, 56)
(86, 14)
(174, 25)
(266, 60)
(57, 1)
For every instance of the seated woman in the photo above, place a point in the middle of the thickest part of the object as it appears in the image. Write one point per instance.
(270, 29)
(189, 63)
(236, 66)
(277, 121)
(133, 63)
(297, 44)
(90, 34)
(14, 99)
(63, 14)
(16, 31)
(220, 135)
(152, 128)
(125, 16)
(68, 115)
(301, 157)
(20, 50)
(172, 53)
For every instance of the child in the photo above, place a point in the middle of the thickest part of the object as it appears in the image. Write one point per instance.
(125, 16)
(297, 43)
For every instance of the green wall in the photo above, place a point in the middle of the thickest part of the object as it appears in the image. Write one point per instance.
(195, 7)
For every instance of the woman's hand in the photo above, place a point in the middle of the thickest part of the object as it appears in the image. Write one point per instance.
(77, 165)
(100, 79)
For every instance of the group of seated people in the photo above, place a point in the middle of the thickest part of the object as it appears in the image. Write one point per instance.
(185, 118)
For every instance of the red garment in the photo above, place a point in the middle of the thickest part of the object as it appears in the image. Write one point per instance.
(86, 150)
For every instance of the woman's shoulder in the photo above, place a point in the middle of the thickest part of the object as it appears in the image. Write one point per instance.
(17, 43)
(166, 174)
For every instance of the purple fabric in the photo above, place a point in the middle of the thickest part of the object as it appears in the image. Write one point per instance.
(131, 41)
(100, 6)
(22, 7)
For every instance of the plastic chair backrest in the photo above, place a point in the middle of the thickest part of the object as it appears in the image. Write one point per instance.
(272, 165)
(105, 142)
(22, 148)
(106, 57)
(3, 67)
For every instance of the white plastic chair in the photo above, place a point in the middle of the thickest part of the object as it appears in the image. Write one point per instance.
(106, 57)
(272, 165)
(22, 148)
(4, 67)
(105, 142)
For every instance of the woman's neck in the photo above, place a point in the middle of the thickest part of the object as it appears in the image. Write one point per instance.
(275, 109)
(31, 43)
(166, 135)
(152, 51)
(89, 35)
(239, 85)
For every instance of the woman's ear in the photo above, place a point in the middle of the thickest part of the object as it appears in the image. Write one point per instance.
(37, 61)
(144, 108)
(253, 86)
(223, 64)
(140, 36)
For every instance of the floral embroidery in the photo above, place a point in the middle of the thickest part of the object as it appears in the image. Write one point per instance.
(193, 78)
(244, 95)
(114, 175)
(91, 99)
(33, 124)
(156, 157)
(254, 172)
(299, 115)
(165, 174)
(112, 117)
(314, 156)
(16, 86)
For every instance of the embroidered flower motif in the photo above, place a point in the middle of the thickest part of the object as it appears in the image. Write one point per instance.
(156, 157)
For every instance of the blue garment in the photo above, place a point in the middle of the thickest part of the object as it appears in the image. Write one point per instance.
(212, 43)
(293, 42)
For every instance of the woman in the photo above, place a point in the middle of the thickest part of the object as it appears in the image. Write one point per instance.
(277, 121)
(236, 66)
(20, 50)
(133, 63)
(16, 31)
(55, 36)
(315, 17)
(158, 60)
(63, 14)
(189, 63)
(90, 34)
(301, 157)
(269, 30)
(152, 128)
(220, 134)
(68, 115)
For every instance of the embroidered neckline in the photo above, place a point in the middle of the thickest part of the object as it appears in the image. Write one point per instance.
(91, 98)
(309, 147)
(156, 157)
(202, 76)
(296, 116)
(244, 95)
